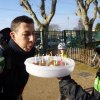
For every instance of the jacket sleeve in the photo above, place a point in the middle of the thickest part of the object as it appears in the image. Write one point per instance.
(70, 89)
(2, 61)
(96, 91)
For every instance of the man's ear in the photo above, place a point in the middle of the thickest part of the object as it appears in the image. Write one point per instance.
(12, 34)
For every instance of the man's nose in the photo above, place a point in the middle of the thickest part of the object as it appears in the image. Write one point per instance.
(31, 38)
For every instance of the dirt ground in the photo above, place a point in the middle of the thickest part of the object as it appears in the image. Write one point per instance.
(48, 88)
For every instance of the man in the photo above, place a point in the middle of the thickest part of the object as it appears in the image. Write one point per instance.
(13, 75)
(71, 90)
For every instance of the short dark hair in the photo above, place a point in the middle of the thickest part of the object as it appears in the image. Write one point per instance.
(15, 23)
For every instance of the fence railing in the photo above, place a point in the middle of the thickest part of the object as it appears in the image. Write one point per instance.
(81, 55)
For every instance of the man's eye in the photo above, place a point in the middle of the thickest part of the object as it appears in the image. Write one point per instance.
(26, 35)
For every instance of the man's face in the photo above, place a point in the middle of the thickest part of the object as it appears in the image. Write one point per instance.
(24, 36)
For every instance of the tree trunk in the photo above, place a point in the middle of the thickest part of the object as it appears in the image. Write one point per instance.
(44, 38)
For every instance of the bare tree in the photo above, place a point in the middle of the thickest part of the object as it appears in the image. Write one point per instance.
(83, 7)
(46, 19)
(80, 25)
(54, 27)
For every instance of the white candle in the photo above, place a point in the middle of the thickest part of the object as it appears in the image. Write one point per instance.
(42, 58)
(35, 59)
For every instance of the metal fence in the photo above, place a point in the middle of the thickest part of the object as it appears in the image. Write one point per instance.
(80, 44)
(77, 38)
(72, 38)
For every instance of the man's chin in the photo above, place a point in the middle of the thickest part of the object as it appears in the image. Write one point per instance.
(27, 50)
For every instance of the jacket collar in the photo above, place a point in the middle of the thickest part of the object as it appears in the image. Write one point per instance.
(17, 49)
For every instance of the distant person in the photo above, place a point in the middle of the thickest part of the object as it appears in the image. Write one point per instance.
(62, 49)
(13, 75)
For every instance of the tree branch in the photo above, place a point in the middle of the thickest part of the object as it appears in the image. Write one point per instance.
(53, 9)
(43, 14)
(25, 4)
(81, 7)
(98, 9)
(87, 3)
(81, 3)
(95, 9)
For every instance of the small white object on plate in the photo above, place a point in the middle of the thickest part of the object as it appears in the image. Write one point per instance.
(49, 71)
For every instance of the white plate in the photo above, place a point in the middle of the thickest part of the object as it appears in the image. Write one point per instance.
(49, 71)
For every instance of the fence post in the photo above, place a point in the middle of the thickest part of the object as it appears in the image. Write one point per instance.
(85, 39)
(64, 36)
(44, 42)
